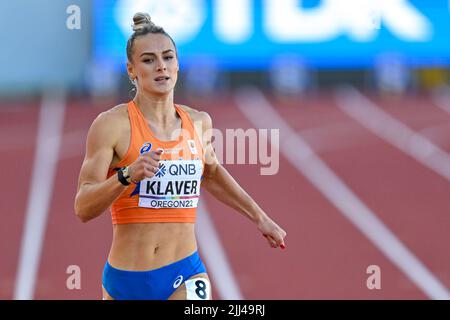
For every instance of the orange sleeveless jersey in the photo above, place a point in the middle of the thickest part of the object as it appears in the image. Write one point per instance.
(172, 194)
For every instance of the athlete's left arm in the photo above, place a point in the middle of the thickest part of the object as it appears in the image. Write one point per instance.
(224, 187)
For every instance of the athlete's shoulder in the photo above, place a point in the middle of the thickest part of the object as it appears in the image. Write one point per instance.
(198, 115)
(114, 114)
(108, 124)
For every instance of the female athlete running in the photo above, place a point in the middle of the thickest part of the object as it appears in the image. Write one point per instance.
(151, 180)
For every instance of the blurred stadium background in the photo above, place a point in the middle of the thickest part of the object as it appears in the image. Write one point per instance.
(358, 89)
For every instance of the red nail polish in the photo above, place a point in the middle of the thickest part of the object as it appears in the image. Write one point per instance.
(282, 246)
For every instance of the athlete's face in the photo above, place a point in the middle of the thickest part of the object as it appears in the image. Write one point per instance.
(154, 65)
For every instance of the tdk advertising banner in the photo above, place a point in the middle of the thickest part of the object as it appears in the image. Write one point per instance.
(248, 34)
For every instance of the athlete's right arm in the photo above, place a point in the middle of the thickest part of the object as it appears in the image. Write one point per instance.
(96, 193)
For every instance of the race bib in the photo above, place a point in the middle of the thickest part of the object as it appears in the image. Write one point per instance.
(176, 184)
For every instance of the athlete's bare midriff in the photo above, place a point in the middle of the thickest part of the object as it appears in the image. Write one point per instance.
(148, 246)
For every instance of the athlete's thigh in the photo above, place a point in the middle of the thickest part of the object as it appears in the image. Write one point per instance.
(199, 288)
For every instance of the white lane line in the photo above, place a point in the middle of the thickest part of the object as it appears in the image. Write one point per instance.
(382, 124)
(51, 120)
(215, 256)
(258, 111)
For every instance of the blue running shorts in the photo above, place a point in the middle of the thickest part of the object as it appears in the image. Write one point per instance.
(156, 284)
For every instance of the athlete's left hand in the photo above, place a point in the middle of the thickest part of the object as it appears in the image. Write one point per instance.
(272, 232)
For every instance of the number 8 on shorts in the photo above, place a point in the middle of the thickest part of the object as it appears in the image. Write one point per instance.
(198, 289)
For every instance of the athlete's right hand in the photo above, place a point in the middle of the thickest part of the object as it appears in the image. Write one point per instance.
(145, 166)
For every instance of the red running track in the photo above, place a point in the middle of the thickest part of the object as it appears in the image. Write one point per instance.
(326, 256)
